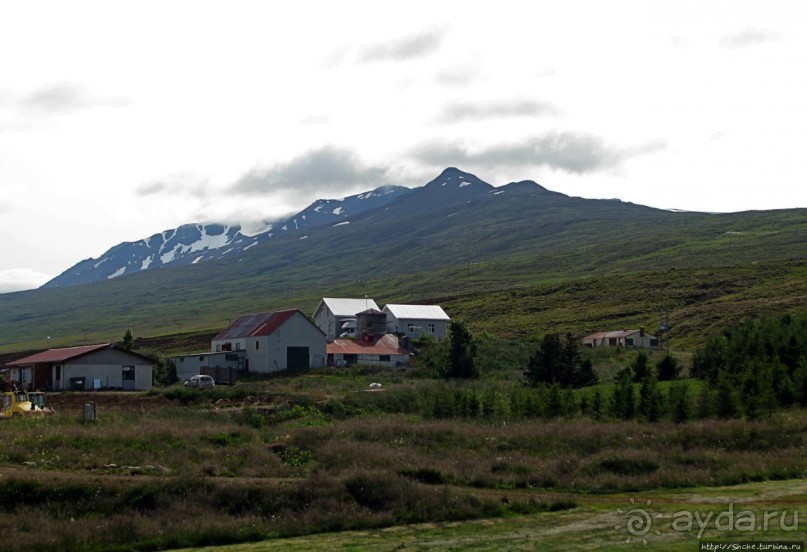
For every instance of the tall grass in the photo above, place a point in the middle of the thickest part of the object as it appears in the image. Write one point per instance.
(309, 454)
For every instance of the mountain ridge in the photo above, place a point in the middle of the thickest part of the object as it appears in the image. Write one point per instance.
(193, 243)
(513, 260)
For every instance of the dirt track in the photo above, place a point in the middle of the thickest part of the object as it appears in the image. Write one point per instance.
(105, 401)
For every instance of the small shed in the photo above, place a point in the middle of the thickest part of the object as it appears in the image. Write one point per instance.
(229, 363)
(371, 322)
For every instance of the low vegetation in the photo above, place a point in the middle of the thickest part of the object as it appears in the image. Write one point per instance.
(321, 451)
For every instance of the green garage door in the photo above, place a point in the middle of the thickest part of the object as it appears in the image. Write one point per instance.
(297, 358)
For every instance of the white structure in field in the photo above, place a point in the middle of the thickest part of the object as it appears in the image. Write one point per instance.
(416, 320)
(337, 316)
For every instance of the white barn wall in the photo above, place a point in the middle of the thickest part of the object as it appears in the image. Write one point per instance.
(268, 353)
(111, 375)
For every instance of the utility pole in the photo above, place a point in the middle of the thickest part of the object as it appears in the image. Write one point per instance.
(664, 327)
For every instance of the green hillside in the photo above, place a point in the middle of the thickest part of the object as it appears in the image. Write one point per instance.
(518, 261)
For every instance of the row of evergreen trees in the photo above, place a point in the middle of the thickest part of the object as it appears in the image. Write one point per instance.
(756, 366)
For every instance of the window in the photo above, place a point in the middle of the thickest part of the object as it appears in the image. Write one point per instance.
(128, 373)
(431, 327)
(628, 342)
(237, 346)
(383, 358)
(257, 345)
(410, 327)
(654, 342)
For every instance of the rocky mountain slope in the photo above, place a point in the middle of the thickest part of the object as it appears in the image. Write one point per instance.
(198, 243)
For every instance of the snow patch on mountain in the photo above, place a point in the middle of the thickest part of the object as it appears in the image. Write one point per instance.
(193, 244)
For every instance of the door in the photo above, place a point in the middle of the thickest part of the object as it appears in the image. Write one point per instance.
(297, 358)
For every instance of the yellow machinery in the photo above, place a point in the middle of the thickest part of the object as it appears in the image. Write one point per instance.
(18, 403)
(38, 402)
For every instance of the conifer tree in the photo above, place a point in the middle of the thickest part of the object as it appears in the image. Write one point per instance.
(650, 399)
(462, 353)
(623, 400)
(128, 340)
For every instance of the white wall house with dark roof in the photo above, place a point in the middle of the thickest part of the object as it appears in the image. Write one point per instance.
(336, 315)
(274, 341)
(102, 366)
(417, 320)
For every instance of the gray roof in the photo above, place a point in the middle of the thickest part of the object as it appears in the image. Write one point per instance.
(417, 312)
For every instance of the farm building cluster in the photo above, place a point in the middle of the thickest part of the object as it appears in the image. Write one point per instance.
(341, 332)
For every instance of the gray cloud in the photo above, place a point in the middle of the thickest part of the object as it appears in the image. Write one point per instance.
(64, 97)
(749, 37)
(564, 151)
(185, 183)
(152, 188)
(326, 170)
(456, 112)
(456, 76)
(415, 46)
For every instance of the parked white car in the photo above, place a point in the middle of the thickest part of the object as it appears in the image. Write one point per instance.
(200, 382)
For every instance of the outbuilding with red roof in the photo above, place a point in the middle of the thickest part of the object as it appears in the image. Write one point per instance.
(628, 339)
(371, 350)
(101, 366)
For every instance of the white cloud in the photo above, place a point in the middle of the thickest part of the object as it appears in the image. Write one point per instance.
(749, 37)
(463, 111)
(65, 96)
(20, 279)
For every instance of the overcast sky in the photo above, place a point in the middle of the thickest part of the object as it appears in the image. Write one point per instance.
(119, 120)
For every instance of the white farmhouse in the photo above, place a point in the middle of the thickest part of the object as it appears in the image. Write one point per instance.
(274, 341)
(337, 316)
(417, 320)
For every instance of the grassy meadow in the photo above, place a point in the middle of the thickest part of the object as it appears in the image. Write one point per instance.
(318, 460)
